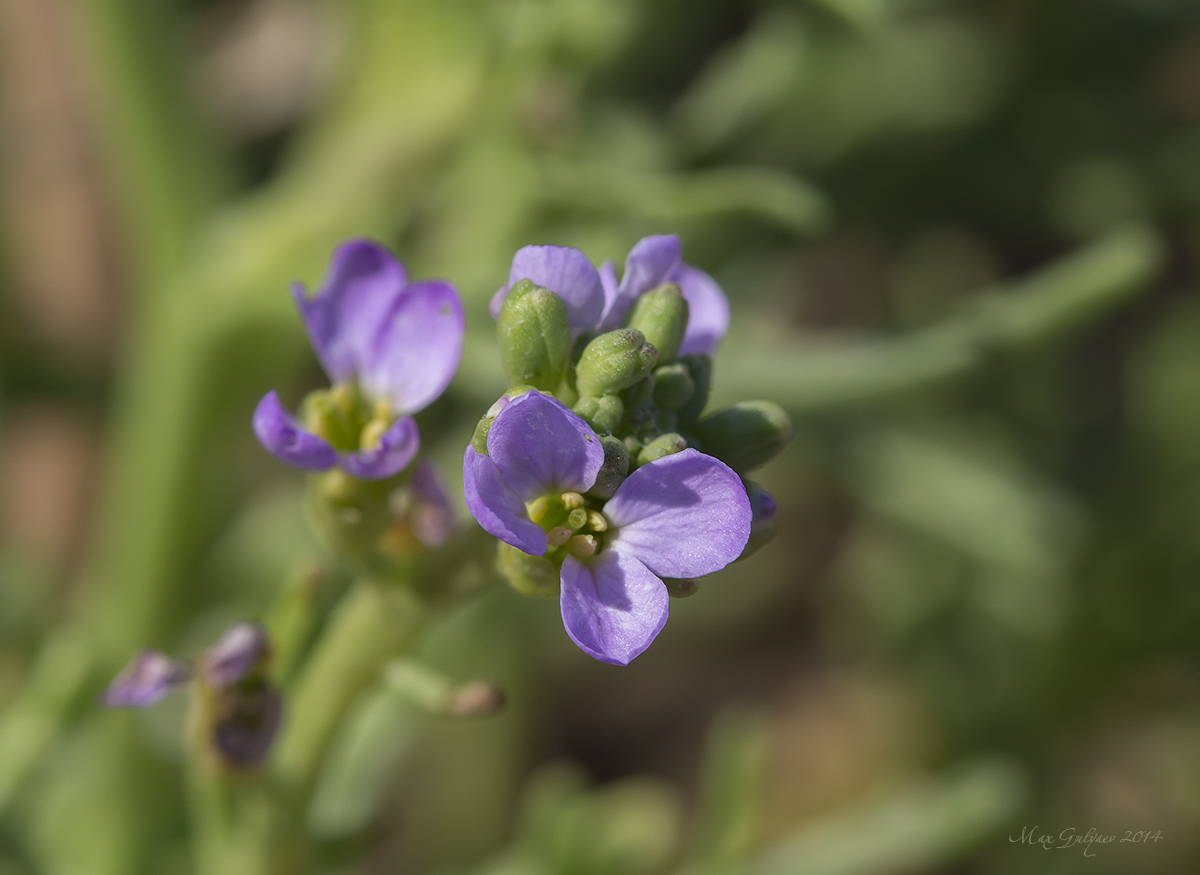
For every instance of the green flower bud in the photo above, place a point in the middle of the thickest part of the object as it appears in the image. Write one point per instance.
(746, 435)
(528, 575)
(534, 337)
(673, 386)
(699, 368)
(613, 471)
(614, 361)
(663, 445)
(603, 413)
(661, 315)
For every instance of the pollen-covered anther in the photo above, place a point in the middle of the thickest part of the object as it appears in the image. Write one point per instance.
(343, 396)
(582, 546)
(596, 521)
(572, 500)
(537, 508)
(372, 432)
(559, 535)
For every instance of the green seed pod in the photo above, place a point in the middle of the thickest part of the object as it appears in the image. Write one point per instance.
(673, 386)
(528, 575)
(613, 471)
(603, 413)
(661, 315)
(535, 338)
(699, 368)
(746, 435)
(663, 445)
(614, 361)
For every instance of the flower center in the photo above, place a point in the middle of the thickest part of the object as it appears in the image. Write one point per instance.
(574, 524)
(346, 418)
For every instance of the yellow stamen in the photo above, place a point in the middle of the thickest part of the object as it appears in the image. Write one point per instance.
(537, 508)
(577, 518)
(596, 521)
(559, 535)
(582, 546)
(572, 500)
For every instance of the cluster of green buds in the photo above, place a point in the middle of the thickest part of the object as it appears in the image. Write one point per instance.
(644, 400)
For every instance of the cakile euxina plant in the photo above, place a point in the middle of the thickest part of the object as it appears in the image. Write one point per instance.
(598, 472)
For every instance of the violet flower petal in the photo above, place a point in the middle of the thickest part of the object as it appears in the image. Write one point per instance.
(497, 508)
(540, 445)
(649, 263)
(708, 310)
(565, 271)
(241, 648)
(145, 680)
(608, 282)
(343, 317)
(416, 348)
(685, 515)
(284, 438)
(396, 448)
(612, 606)
(431, 512)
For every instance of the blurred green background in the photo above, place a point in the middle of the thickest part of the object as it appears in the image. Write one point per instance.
(961, 240)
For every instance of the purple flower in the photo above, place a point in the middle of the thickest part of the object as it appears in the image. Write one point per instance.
(596, 301)
(243, 647)
(147, 678)
(391, 346)
(685, 515)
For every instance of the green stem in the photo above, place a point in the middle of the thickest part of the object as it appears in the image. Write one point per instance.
(372, 624)
(231, 814)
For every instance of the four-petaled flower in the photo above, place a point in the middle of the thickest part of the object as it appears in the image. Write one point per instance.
(682, 516)
(389, 347)
(595, 301)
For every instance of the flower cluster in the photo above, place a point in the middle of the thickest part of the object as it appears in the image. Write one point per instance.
(597, 471)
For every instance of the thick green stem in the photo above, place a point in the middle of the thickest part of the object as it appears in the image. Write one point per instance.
(372, 624)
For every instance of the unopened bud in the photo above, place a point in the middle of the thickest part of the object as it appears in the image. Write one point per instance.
(660, 447)
(614, 361)
(746, 435)
(245, 722)
(673, 386)
(699, 368)
(535, 337)
(475, 699)
(681, 587)
(603, 414)
(661, 315)
(762, 518)
(614, 469)
(528, 575)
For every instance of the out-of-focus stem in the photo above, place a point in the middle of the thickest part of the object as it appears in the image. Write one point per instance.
(372, 624)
